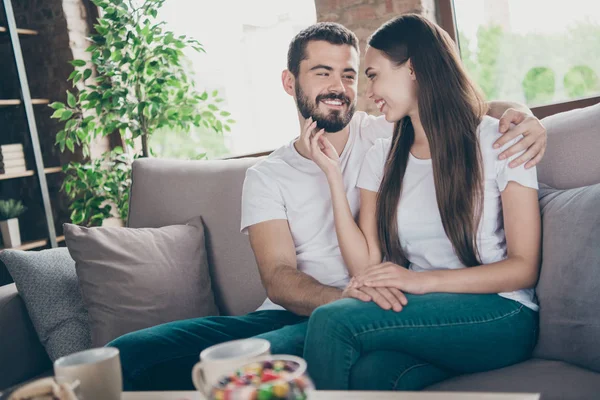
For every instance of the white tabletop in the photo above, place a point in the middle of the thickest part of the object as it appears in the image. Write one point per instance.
(354, 395)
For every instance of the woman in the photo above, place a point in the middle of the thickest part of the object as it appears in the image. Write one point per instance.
(467, 261)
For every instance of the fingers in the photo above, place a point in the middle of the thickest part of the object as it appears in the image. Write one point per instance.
(518, 147)
(376, 297)
(511, 134)
(511, 116)
(391, 298)
(360, 295)
(532, 152)
(399, 295)
(309, 126)
(533, 162)
(314, 142)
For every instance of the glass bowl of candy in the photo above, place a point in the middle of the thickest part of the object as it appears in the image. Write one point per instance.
(272, 377)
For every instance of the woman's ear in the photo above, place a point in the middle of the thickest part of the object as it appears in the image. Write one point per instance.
(411, 70)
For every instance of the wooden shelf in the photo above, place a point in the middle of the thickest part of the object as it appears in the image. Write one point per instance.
(17, 175)
(52, 170)
(20, 31)
(34, 244)
(16, 102)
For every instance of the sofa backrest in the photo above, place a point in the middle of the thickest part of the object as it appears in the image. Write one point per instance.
(572, 158)
(168, 192)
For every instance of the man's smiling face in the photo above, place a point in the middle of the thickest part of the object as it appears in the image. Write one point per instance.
(326, 85)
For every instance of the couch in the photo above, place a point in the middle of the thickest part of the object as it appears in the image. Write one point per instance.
(168, 192)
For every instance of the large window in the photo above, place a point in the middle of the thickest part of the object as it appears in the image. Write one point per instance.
(246, 43)
(537, 52)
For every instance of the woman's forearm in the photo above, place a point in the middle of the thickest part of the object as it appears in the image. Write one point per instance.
(512, 274)
(353, 244)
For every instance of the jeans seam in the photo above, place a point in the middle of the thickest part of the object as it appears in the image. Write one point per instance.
(405, 372)
(443, 325)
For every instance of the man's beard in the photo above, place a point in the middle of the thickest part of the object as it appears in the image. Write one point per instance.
(335, 121)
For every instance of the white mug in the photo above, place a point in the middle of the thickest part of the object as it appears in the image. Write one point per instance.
(97, 370)
(224, 358)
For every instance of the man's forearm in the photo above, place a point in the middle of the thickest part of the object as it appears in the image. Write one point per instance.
(497, 108)
(299, 292)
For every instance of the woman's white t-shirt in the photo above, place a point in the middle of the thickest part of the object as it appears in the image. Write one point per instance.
(422, 234)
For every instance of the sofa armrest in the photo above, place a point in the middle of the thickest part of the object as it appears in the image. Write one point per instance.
(22, 356)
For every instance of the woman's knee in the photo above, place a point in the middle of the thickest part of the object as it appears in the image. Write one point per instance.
(332, 316)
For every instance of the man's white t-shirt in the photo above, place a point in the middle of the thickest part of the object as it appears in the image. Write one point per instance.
(288, 186)
(422, 234)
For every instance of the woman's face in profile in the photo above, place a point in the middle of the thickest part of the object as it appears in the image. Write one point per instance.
(393, 88)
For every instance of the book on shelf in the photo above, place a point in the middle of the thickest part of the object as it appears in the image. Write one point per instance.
(13, 170)
(13, 155)
(9, 148)
(12, 163)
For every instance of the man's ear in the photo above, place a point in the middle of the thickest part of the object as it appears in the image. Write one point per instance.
(289, 82)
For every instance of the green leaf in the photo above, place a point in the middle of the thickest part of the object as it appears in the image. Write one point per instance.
(215, 93)
(87, 73)
(225, 114)
(70, 145)
(204, 96)
(70, 124)
(227, 128)
(78, 63)
(57, 113)
(60, 136)
(66, 114)
(213, 107)
(71, 100)
(57, 105)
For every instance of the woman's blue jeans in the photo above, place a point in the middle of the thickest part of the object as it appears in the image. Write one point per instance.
(351, 344)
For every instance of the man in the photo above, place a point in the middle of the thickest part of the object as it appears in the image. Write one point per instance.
(286, 211)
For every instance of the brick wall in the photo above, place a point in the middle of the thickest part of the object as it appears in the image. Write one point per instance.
(63, 26)
(363, 17)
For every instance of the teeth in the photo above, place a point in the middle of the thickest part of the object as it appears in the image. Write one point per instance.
(380, 103)
(333, 102)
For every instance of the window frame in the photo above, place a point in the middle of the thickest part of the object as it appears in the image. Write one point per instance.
(446, 18)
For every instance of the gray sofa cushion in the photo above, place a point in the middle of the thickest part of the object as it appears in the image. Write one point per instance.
(555, 380)
(569, 284)
(136, 278)
(571, 158)
(47, 282)
(22, 356)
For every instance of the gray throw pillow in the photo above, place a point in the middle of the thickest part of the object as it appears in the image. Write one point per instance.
(47, 282)
(569, 286)
(137, 278)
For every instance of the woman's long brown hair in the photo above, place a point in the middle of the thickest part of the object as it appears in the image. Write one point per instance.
(450, 109)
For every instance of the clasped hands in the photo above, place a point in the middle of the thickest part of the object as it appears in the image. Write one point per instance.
(385, 285)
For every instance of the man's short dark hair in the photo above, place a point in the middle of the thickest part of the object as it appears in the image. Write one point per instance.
(327, 31)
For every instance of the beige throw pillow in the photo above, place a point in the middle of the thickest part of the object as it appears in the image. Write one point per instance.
(132, 279)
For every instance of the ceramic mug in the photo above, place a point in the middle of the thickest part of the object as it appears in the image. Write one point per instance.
(220, 359)
(97, 370)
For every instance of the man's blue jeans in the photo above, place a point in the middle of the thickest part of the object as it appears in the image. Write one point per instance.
(355, 345)
(162, 357)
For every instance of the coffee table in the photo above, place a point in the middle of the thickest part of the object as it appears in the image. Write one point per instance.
(335, 395)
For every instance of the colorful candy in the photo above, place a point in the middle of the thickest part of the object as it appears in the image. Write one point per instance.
(267, 380)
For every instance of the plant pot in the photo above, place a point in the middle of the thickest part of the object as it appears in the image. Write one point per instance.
(11, 236)
(114, 222)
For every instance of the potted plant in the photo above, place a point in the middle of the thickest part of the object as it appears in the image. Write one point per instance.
(135, 83)
(10, 210)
